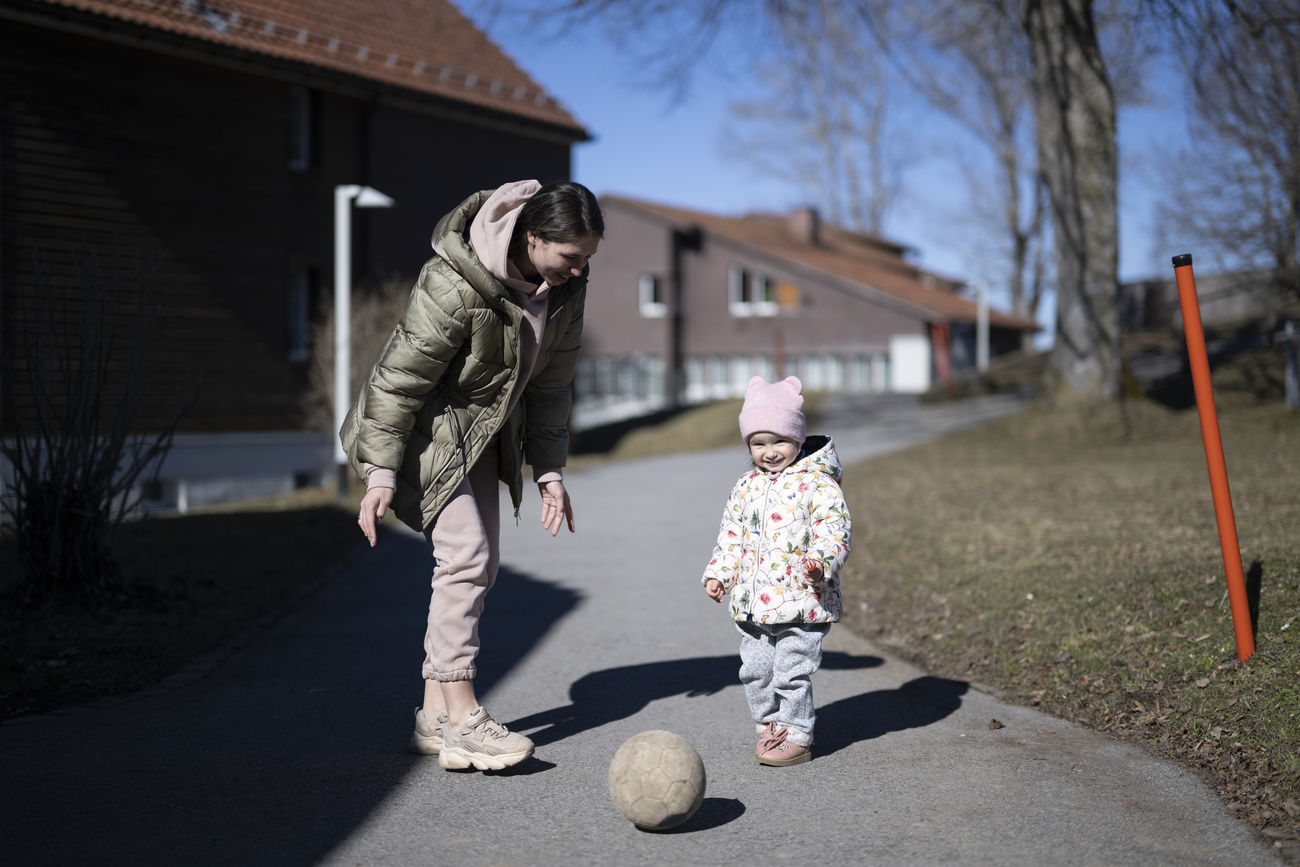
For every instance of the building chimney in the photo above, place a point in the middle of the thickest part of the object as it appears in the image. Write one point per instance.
(804, 224)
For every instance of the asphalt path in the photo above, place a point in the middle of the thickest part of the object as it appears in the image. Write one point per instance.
(288, 746)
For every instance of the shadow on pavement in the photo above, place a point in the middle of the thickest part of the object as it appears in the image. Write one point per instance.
(713, 813)
(518, 612)
(915, 704)
(618, 693)
(279, 754)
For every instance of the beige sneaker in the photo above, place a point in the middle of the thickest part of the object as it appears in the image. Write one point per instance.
(427, 739)
(774, 750)
(484, 743)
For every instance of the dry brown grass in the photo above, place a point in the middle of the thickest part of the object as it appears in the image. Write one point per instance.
(699, 428)
(1068, 566)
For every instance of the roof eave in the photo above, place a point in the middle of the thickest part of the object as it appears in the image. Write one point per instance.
(844, 284)
(104, 28)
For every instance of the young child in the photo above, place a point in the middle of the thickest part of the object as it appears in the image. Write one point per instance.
(784, 536)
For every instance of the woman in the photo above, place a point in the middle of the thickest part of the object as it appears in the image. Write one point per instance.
(474, 380)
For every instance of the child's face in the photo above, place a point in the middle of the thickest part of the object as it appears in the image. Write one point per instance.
(771, 452)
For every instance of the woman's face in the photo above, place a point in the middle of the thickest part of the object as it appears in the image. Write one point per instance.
(557, 261)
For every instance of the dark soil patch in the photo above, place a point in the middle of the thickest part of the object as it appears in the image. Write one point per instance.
(190, 584)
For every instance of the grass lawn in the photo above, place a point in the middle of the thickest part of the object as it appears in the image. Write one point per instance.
(1065, 565)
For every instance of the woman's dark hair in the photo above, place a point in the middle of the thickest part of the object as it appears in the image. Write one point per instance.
(560, 212)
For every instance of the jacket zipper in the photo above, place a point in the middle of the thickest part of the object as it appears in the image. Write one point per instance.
(506, 391)
(758, 553)
(464, 438)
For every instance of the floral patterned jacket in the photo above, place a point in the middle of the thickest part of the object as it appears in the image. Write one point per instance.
(770, 525)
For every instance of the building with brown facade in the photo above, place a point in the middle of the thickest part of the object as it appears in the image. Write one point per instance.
(687, 305)
(198, 143)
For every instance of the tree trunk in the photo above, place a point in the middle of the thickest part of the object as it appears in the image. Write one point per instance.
(1077, 155)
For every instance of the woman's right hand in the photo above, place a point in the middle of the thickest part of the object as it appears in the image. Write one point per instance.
(374, 505)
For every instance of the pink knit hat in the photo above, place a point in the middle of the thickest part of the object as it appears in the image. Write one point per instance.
(775, 407)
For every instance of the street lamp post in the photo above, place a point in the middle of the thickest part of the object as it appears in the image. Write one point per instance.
(345, 195)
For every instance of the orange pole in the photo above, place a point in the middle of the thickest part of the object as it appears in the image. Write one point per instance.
(1200, 363)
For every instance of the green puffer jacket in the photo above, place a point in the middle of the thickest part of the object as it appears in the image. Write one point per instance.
(438, 393)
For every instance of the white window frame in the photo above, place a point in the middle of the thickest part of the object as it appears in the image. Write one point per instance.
(649, 295)
(759, 301)
(738, 292)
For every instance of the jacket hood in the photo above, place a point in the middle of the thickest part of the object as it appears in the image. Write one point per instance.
(451, 243)
(818, 454)
(490, 233)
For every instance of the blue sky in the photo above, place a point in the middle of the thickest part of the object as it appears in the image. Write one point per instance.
(651, 146)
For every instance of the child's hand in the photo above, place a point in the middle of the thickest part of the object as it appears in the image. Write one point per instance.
(812, 572)
(713, 587)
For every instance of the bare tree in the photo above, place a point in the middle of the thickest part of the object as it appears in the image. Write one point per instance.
(1238, 186)
(973, 63)
(1074, 113)
(82, 424)
(823, 121)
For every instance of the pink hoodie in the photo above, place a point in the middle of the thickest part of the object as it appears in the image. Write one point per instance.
(489, 236)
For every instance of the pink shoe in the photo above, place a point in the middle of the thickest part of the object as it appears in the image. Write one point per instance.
(774, 750)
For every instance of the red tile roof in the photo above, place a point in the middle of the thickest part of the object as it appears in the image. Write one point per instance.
(426, 46)
(867, 263)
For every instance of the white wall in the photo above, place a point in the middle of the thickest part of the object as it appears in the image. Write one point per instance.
(909, 363)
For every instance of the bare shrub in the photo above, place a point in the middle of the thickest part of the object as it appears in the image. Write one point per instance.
(375, 310)
(75, 397)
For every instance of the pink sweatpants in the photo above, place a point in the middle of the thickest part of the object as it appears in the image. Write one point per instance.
(465, 542)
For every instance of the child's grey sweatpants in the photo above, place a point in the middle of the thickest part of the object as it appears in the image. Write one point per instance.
(776, 666)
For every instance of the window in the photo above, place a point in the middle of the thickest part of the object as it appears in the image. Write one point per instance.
(300, 129)
(835, 378)
(655, 377)
(738, 291)
(762, 295)
(298, 306)
(625, 376)
(584, 378)
(716, 375)
(651, 298)
(751, 293)
(810, 371)
(862, 376)
(740, 374)
(695, 385)
(605, 376)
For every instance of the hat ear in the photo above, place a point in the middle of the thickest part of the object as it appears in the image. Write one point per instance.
(793, 382)
(754, 382)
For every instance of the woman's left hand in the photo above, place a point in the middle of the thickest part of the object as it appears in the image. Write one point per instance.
(556, 508)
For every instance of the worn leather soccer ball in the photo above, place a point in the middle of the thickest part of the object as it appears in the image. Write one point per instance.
(657, 780)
